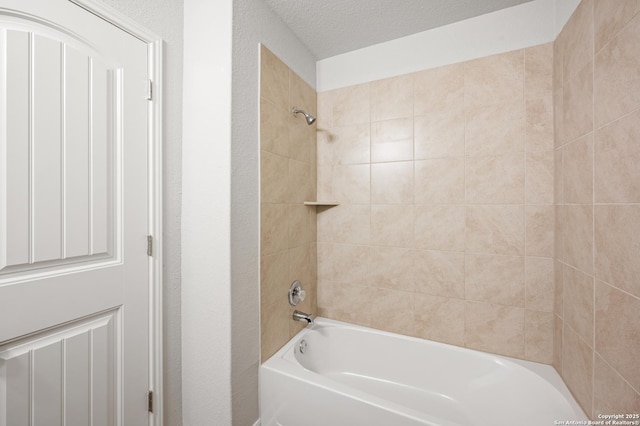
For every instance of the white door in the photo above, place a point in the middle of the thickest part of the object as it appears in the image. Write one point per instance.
(74, 269)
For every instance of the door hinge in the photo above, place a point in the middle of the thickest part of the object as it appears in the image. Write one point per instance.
(149, 90)
(149, 245)
(150, 401)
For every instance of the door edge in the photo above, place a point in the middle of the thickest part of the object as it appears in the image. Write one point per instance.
(155, 47)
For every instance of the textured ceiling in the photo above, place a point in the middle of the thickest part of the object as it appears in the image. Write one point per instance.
(331, 27)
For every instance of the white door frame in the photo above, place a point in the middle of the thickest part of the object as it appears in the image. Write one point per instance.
(154, 203)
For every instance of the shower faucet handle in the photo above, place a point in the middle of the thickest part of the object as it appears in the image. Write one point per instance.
(296, 293)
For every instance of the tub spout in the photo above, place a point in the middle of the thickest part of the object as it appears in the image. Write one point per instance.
(301, 316)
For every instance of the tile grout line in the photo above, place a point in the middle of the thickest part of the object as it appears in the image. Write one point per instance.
(616, 372)
(465, 339)
(524, 195)
(593, 210)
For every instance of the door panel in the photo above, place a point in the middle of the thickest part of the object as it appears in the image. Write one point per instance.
(74, 272)
(75, 362)
(46, 147)
(103, 98)
(16, 185)
(78, 89)
(59, 180)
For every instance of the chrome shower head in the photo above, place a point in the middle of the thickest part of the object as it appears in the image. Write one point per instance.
(308, 117)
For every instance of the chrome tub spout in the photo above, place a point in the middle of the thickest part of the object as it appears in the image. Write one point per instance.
(301, 316)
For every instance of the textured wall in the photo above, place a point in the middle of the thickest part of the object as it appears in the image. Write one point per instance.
(253, 23)
(288, 179)
(164, 17)
(597, 157)
(206, 201)
(445, 230)
(505, 30)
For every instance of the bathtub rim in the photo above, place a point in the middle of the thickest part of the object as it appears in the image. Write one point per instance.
(284, 362)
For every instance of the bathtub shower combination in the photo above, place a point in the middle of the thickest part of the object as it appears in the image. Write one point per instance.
(335, 374)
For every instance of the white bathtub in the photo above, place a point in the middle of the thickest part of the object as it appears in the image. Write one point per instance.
(350, 375)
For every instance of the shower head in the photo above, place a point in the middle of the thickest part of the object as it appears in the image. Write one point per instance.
(310, 118)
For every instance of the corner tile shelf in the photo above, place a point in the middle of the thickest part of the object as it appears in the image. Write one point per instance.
(321, 203)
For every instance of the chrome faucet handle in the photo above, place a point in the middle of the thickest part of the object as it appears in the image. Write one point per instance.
(296, 293)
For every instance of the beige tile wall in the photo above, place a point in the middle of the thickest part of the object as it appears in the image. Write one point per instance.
(597, 163)
(288, 178)
(445, 230)
(457, 193)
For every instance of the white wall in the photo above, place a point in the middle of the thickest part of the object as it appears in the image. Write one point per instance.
(221, 216)
(525, 25)
(564, 10)
(206, 200)
(164, 17)
(253, 23)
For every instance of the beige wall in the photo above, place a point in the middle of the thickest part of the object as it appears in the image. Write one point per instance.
(597, 121)
(288, 178)
(445, 230)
